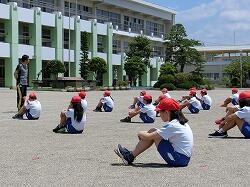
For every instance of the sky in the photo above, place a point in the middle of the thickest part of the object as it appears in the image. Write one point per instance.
(214, 22)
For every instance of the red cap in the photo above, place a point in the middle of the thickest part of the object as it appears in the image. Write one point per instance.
(235, 90)
(32, 95)
(192, 88)
(82, 94)
(143, 92)
(106, 93)
(161, 97)
(192, 92)
(203, 91)
(168, 104)
(76, 99)
(147, 97)
(244, 95)
(165, 90)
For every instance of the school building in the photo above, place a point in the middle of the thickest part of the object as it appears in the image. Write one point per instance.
(52, 29)
(218, 57)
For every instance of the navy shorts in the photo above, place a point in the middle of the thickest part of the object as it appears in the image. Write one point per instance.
(234, 102)
(193, 110)
(70, 128)
(145, 118)
(140, 104)
(246, 130)
(107, 108)
(205, 106)
(172, 157)
(29, 116)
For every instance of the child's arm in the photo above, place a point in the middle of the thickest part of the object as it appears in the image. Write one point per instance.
(230, 118)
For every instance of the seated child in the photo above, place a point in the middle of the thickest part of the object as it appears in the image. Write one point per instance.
(240, 118)
(32, 108)
(138, 101)
(192, 103)
(174, 140)
(83, 94)
(106, 102)
(164, 93)
(73, 119)
(147, 111)
(234, 99)
(205, 100)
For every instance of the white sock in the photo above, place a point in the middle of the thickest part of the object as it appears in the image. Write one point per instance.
(221, 130)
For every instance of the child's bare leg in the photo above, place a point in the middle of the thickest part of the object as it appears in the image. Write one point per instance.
(229, 110)
(145, 144)
(226, 102)
(62, 119)
(229, 125)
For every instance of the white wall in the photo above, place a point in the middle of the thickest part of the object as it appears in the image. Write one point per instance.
(25, 49)
(85, 26)
(48, 53)
(66, 23)
(66, 55)
(25, 15)
(116, 59)
(5, 11)
(48, 19)
(101, 29)
(5, 49)
(102, 55)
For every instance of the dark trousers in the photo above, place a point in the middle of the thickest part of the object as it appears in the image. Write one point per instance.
(21, 92)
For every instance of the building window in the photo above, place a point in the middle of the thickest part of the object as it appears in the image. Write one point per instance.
(216, 76)
(24, 36)
(106, 16)
(135, 24)
(66, 39)
(46, 37)
(83, 11)
(155, 28)
(158, 51)
(2, 32)
(116, 46)
(2, 73)
(126, 46)
(100, 43)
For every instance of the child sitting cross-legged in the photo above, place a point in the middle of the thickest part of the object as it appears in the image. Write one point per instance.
(174, 140)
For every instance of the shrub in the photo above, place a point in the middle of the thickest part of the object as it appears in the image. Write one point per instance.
(187, 85)
(169, 86)
(55, 67)
(166, 79)
(182, 77)
(122, 83)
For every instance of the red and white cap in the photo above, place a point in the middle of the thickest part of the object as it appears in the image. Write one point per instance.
(168, 104)
(32, 95)
(106, 93)
(192, 92)
(147, 97)
(203, 91)
(143, 92)
(82, 94)
(244, 95)
(76, 99)
(235, 90)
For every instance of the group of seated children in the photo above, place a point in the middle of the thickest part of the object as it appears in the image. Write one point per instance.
(236, 116)
(194, 103)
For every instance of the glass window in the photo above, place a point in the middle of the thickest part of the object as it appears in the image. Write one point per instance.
(155, 28)
(46, 37)
(2, 32)
(100, 42)
(135, 24)
(24, 36)
(116, 46)
(106, 16)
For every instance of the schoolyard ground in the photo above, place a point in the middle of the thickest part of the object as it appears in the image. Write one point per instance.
(32, 155)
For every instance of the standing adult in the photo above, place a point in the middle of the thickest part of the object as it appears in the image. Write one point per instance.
(21, 76)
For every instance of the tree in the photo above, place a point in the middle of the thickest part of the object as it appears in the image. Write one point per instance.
(233, 69)
(134, 68)
(168, 69)
(179, 48)
(84, 63)
(54, 67)
(137, 58)
(98, 66)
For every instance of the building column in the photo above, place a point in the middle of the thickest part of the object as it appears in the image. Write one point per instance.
(94, 38)
(121, 71)
(58, 36)
(12, 38)
(75, 66)
(158, 66)
(145, 79)
(36, 31)
(108, 77)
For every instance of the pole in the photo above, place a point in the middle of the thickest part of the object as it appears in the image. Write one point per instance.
(241, 69)
(69, 38)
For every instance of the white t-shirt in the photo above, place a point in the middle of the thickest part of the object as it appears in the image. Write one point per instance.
(207, 100)
(108, 101)
(79, 126)
(167, 95)
(180, 136)
(235, 97)
(84, 104)
(149, 109)
(197, 104)
(140, 99)
(34, 108)
(244, 113)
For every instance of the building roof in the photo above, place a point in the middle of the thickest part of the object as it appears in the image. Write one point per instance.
(224, 49)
